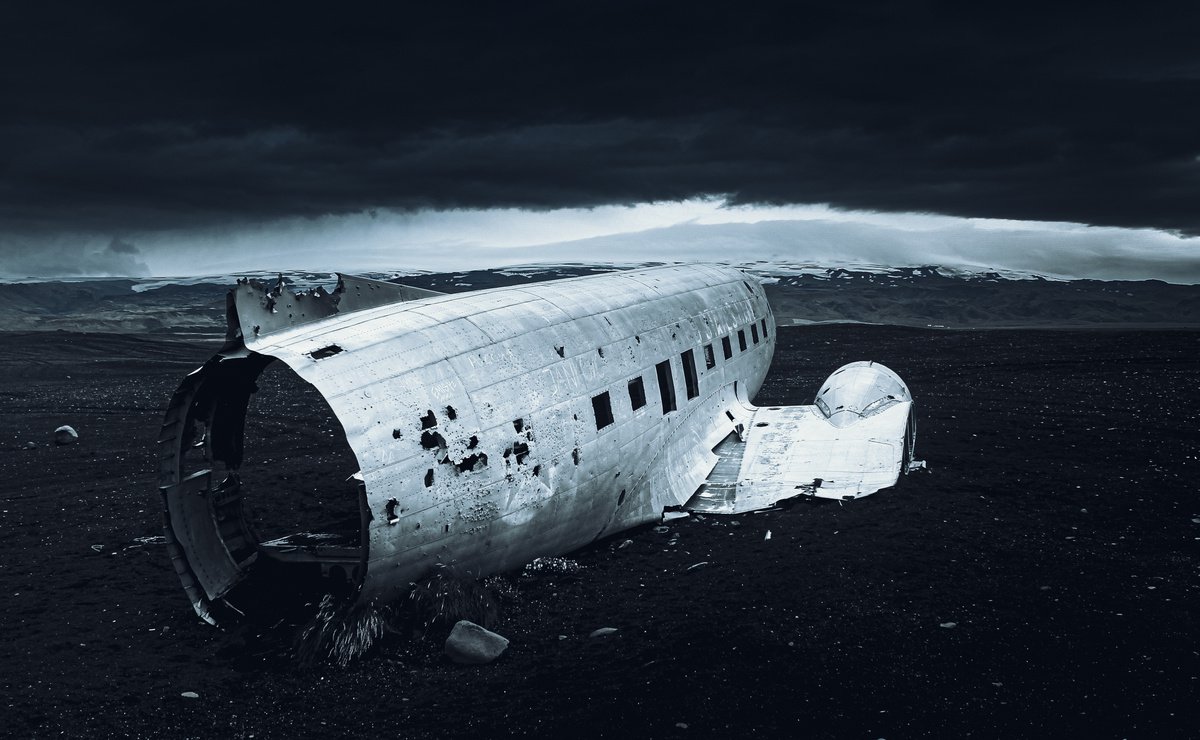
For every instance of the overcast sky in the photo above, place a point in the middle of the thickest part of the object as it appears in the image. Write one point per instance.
(186, 137)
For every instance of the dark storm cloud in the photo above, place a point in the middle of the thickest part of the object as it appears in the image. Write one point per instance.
(71, 256)
(173, 115)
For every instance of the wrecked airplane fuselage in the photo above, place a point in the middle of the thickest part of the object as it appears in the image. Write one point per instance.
(500, 425)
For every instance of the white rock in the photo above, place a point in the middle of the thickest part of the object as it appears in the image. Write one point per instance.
(767, 536)
(948, 625)
(65, 435)
(603, 632)
(470, 644)
(190, 695)
(669, 516)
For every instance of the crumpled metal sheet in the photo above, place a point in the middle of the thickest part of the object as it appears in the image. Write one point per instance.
(853, 442)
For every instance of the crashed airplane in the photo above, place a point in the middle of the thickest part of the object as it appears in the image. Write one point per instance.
(496, 426)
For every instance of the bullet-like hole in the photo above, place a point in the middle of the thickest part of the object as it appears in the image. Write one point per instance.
(321, 354)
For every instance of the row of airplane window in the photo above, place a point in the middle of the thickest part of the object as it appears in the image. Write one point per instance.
(602, 403)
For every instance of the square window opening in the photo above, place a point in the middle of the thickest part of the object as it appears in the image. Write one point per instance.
(637, 393)
(602, 406)
(666, 386)
(689, 374)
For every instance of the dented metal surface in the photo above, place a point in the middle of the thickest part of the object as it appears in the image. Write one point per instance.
(496, 426)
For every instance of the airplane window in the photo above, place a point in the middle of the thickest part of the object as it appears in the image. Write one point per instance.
(726, 348)
(754, 332)
(709, 360)
(689, 374)
(764, 327)
(602, 405)
(666, 386)
(742, 339)
(637, 393)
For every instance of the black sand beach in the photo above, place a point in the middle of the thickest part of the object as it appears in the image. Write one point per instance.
(1040, 578)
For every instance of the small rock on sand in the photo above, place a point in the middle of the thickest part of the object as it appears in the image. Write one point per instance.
(470, 644)
(603, 632)
(65, 435)
(190, 695)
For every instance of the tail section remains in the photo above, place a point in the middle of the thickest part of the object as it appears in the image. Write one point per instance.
(856, 439)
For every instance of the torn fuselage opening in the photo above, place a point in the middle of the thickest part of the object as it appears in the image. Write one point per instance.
(265, 510)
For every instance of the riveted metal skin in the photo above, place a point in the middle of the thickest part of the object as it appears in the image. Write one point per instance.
(490, 427)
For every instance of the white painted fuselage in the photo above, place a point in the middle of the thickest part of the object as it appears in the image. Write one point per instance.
(497, 426)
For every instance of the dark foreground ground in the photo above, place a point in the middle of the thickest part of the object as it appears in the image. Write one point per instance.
(1058, 529)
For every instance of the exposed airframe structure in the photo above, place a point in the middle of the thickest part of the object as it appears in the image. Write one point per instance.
(495, 426)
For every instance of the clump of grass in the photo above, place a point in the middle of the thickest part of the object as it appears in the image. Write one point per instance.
(341, 632)
(447, 596)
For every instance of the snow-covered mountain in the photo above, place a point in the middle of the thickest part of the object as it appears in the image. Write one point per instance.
(921, 295)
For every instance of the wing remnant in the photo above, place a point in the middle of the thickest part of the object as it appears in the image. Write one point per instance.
(854, 440)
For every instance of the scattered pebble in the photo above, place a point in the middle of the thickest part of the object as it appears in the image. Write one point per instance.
(767, 536)
(551, 565)
(65, 435)
(603, 632)
(470, 644)
(681, 725)
(697, 565)
(624, 544)
(948, 625)
(662, 530)
(190, 695)
(672, 515)
(98, 548)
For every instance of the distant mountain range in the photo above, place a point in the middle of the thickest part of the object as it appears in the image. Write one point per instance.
(925, 296)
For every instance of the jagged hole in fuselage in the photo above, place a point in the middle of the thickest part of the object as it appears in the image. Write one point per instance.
(302, 504)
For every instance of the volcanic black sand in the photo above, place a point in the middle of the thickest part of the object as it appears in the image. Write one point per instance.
(1040, 578)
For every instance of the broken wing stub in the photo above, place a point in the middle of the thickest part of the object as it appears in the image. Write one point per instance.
(255, 309)
(856, 439)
